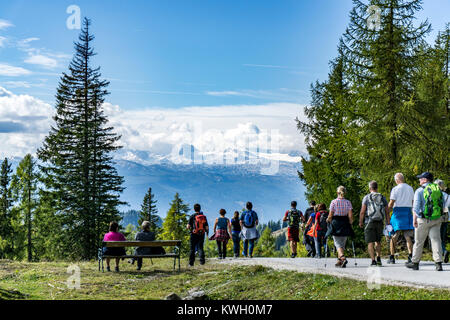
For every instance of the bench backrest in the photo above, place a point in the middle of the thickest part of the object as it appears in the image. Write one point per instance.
(158, 243)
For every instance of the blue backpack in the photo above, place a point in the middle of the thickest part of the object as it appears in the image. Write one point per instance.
(249, 221)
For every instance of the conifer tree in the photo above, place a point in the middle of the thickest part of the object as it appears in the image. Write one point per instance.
(78, 168)
(149, 211)
(379, 63)
(174, 225)
(266, 244)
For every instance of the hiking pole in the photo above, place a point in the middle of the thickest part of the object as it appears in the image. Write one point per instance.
(354, 253)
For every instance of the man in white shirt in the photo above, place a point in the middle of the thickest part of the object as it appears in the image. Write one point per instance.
(401, 202)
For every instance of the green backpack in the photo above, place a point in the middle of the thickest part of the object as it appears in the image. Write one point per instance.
(434, 202)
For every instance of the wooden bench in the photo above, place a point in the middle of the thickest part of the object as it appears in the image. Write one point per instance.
(142, 244)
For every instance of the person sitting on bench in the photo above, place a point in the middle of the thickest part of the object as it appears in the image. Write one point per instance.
(113, 235)
(145, 235)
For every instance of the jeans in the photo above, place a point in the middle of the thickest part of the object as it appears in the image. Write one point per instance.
(236, 242)
(247, 248)
(222, 248)
(197, 242)
(444, 236)
(320, 242)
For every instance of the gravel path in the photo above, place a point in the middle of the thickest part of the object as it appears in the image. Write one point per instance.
(397, 274)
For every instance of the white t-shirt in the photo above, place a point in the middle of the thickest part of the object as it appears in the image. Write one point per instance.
(403, 194)
(446, 204)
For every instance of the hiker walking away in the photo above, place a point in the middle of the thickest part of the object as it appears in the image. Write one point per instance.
(340, 219)
(319, 229)
(401, 202)
(445, 253)
(308, 241)
(198, 227)
(222, 230)
(236, 233)
(428, 211)
(293, 217)
(249, 221)
(113, 235)
(374, 210)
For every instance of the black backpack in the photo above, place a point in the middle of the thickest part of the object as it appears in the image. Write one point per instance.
(294, 218)
(323, 225)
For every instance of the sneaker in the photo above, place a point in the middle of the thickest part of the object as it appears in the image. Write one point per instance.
(409, 258)
(116, 269)
(412, 265)
(446, 256)
(131, 261)
(379, 264)
(374, 263)
(108, 269)
(391, 260)
(138, 268)
(439, 266)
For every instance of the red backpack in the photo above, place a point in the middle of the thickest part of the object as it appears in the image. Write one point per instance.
(200, 224)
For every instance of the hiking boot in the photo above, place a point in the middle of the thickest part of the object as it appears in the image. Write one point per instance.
(413, 265)
(446, 257)
(379, 264)
(373, 264)
(108, 269)
(116, 269)
(439, 266)
(391, 260)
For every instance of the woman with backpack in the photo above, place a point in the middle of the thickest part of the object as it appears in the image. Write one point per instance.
(222, 230)
(319, 228)
(249, 233)
(236, 233)
(340, 219)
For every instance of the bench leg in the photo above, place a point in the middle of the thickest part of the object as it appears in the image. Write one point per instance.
(151, 260)
(179, 264)
(174, 263)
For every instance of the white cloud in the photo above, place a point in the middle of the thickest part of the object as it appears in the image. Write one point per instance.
(2, 41)
(152, 133)
(11, 71)
(281, 94)
(42, 61)
(5, 24)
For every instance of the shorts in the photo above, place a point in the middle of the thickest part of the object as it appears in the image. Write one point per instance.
(339, 242)
(293, 234)
(406, 234)
(374, 231)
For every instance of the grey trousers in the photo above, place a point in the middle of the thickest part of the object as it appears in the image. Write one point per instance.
(432, 229)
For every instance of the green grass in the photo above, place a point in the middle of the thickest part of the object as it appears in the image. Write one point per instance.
(47, 280)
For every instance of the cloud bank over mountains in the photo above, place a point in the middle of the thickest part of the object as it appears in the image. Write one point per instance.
(216, 134)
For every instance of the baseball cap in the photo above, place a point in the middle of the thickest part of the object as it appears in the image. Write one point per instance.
(426, 175)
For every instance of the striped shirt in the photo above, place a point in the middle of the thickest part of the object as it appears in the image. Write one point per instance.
(340, 207)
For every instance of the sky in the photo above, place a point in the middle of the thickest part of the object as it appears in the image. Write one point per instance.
(236, 66)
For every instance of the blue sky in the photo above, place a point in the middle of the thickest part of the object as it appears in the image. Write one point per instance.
(243, 56)
(183, 53)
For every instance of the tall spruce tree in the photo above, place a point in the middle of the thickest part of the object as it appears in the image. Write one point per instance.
(174, 225)
(380, 62)
(149, 211)
(77, 153)
(24, 186)
(5, 209)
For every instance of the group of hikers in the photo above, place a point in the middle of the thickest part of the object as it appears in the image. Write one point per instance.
(417, 215)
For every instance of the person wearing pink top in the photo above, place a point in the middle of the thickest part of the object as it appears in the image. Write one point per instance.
(113, 235)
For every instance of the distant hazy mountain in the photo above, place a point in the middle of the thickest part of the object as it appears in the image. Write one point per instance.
(214, 187)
